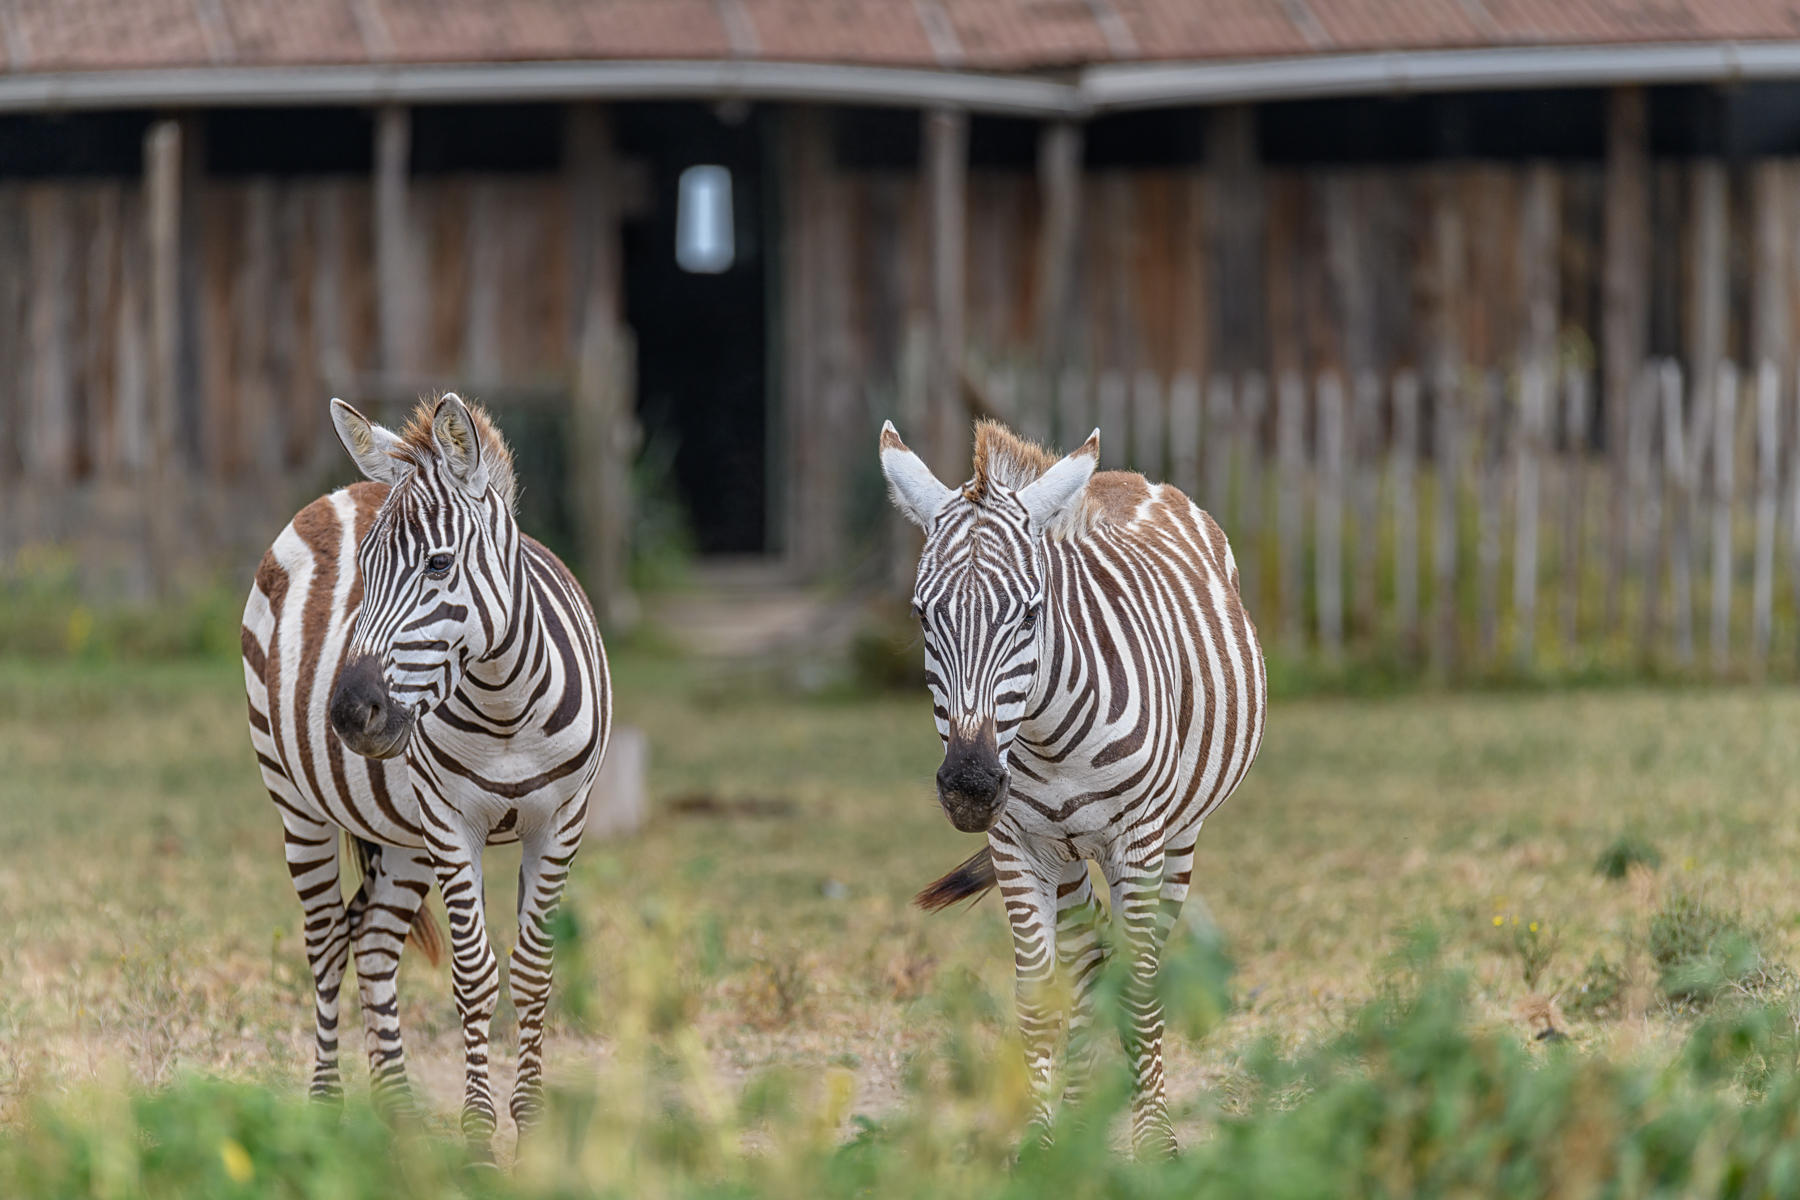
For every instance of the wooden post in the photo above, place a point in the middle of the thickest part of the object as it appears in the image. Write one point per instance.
(1575, 429)
(1540, 229)
(1709, 267)
(162, 218)
(1529, 450)
(1365, 489)
(395, 282)
(1221, 431)
(1147, 423)
(1185, 439)
(1328, 531)
(1347, 236)
(1405, 454)
(1074, 415)
(1290, 449)
(1678, 469)
(602, 438)
(946, 187)
(1253, 396)
(905, 540)
(1059, 248)
(1771, 318)
(1724, 444)
(50, 445)
(1625, 292)
(1443, 565)
(1768, 451)
(1645, 502)
(1794, 500)
(1491, 416)
(1236, 227)
(1115, 400)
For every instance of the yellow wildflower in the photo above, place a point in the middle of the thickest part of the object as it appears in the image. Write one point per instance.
(237, 1161)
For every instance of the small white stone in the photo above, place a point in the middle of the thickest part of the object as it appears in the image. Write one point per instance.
(619, 801)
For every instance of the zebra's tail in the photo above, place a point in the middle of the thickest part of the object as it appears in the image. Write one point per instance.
(424, 933)
(969, 878)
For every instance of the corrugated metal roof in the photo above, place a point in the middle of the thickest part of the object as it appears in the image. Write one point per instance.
(997, 35)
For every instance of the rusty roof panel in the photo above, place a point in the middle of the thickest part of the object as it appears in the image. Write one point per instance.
(1000, 35)
(65, 35)
(1021, 34)
(280, 31)
(1222, 28)
(852, 31)
(461, 30)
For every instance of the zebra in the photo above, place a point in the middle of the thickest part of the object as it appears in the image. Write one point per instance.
(427, 680)
(1099, 692)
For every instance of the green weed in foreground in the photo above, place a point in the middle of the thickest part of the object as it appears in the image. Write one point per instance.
(1412, 1098)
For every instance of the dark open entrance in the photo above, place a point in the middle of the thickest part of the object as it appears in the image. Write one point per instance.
(702, 391)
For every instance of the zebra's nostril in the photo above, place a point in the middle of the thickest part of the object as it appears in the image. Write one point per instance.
(376, 716)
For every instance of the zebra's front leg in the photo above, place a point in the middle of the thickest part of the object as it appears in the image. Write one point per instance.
(1138, 920)
(312, 861)
(1080, 956)
(1030, 893)
(474, 969)
(543, 870)
(381, 916)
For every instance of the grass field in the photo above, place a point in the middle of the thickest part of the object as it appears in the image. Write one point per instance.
(761, 921)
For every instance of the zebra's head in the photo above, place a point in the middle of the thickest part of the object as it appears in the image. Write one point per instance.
(980, 597)
(437, 567)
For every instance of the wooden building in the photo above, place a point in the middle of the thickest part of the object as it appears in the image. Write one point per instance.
(1191, 224)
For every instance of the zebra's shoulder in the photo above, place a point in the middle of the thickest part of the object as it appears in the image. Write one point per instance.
(319, 527)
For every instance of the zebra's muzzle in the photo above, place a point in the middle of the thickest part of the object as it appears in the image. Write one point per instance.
(367, 719)
(972, 785)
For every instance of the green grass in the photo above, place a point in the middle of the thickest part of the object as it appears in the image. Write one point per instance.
(746, 987)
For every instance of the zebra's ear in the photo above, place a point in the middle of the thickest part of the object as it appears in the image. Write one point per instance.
(453, 434)
(371, 445)
(917, 493)
(1052, 496)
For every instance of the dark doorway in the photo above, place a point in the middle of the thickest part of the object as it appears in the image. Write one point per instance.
(699, 318)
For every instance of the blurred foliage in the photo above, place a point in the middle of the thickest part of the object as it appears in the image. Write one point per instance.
(662, 539)
(1702, 952)
(1599, 993)
(1624, 852)
(1410, 1097)
(45, 613)
(887, 652)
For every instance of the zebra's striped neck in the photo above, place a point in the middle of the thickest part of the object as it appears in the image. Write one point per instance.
(500, 679)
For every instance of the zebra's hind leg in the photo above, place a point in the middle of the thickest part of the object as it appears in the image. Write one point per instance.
(312, 861)
(1141, 928)
(1080, 955)
(474, 970)
(543, 870)
(394, 886)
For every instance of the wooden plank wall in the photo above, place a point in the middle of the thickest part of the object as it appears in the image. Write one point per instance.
(1432, 453)
(282, 308)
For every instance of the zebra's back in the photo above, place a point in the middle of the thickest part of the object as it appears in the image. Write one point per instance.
(1151, 708)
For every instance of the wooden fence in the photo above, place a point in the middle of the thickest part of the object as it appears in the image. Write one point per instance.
(1480, 521)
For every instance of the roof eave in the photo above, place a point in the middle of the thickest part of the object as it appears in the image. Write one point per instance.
(440, 83)
(1155, 85)
(1097, 89)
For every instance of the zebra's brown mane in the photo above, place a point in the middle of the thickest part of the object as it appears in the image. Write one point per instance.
(417, 447)
(1005, 458)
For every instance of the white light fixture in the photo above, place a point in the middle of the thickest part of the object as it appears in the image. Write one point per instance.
(703, 239)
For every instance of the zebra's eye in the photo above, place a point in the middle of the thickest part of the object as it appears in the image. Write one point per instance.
(1031, 615)
(918, 611)
(438, 565)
